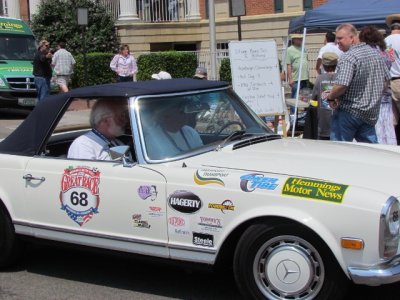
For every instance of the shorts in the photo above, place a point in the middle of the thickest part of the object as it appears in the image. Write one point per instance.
(62, 79)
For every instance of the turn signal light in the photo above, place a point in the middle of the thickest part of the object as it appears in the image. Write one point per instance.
(354, 244)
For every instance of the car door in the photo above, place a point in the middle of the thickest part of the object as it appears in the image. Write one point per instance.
(101, 201)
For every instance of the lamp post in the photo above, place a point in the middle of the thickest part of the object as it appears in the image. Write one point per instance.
(83, 22)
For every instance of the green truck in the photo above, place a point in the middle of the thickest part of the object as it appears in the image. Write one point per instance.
(17, 50)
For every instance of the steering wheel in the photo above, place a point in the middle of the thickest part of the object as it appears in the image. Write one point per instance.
(229, 124)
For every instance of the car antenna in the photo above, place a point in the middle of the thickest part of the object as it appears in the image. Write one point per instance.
(184, 165)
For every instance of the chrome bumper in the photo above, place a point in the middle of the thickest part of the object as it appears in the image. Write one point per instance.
(385, 273)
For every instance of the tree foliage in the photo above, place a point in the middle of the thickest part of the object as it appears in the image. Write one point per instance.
(178, 64)
(56, 20)
(225, 70)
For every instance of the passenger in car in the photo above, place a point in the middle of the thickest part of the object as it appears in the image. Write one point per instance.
(108, 120)
(171, 134)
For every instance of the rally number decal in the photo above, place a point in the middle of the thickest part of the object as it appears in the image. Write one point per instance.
(80, 193)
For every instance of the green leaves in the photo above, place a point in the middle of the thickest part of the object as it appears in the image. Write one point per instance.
(225, 70)
(98, 69)
(178, 64)
(56, 20)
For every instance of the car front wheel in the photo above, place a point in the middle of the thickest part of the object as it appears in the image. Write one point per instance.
(286, 262)
(10, 245)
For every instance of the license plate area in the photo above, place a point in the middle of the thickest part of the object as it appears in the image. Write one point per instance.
(27, 101)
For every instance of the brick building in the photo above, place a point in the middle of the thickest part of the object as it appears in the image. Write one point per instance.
(155, 25)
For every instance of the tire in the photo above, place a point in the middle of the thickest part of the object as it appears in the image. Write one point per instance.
(10, 246)
(286, 262)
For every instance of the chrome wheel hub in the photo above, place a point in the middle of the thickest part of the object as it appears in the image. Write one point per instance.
(288, 267)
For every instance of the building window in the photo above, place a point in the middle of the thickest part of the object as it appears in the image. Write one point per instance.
(278, 6)
(222, 46)
(307, 4)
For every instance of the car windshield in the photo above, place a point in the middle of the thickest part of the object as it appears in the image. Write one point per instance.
(175, 125)
(17, 47)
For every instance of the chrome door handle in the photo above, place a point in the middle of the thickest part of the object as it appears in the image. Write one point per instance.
(29, 177)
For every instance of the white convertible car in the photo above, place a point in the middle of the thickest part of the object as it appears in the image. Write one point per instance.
(295, 219)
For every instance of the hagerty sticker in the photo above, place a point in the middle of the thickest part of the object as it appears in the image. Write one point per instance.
(210, 176)
(185, 202)
(313, 189)
(79, 194)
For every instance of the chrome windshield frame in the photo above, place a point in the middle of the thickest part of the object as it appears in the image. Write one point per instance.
(137, 127)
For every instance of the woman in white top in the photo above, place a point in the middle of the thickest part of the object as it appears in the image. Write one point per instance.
(124, 65)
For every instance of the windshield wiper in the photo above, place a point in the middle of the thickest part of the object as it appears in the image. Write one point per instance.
(233, 136)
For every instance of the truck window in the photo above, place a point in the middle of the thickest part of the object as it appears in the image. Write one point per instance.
(17, 47)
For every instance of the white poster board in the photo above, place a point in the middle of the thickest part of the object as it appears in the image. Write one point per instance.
(255, 75)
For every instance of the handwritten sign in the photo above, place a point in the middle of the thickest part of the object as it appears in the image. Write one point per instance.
(255, 75)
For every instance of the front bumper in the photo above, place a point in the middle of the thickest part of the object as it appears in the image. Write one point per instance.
(385, 273)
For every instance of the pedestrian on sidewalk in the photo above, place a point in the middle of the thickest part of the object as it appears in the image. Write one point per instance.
(42, 71)
(63, 63)
(361, 78)
(124, 65)
(384, 127)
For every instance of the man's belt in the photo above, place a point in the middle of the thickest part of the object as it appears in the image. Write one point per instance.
(394, 78)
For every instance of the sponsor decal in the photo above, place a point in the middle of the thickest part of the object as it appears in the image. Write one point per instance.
(210, 223)
(176, 221)
(184, 202)
(8, 26)
(138, 222)
(148, 191)
(181, 231)
(178, 225)
(210, 176)
(16, 69)
(250, 182)
(155, 211)
(225, 205)
(203, 239)
(314, 189)
(79, 194)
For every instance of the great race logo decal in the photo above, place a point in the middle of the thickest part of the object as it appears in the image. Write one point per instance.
(79, 194)
(210, 176)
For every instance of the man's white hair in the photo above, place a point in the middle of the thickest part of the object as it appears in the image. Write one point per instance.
(101, 109)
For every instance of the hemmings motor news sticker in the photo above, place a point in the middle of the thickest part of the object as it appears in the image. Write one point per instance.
(79, 194)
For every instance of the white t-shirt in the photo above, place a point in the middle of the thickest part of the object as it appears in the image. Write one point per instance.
(162, 144)
(393, 49)
(90, 146)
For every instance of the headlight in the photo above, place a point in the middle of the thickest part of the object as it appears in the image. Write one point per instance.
(389, 228)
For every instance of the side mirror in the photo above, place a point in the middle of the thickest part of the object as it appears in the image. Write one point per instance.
(120, 153)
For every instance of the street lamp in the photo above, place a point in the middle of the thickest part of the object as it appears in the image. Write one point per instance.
(83, 21)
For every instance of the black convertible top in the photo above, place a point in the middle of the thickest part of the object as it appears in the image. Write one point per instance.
(29, 137)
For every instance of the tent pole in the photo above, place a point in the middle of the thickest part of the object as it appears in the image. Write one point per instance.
(298, 81)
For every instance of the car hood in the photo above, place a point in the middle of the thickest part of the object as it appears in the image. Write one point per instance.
(374, 167)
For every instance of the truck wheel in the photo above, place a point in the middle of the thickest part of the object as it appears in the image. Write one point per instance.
(286, 262)
(10, 246)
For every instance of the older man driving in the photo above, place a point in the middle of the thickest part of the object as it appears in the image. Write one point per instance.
(108, 120)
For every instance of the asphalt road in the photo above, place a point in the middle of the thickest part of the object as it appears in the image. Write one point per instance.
(48, 272)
